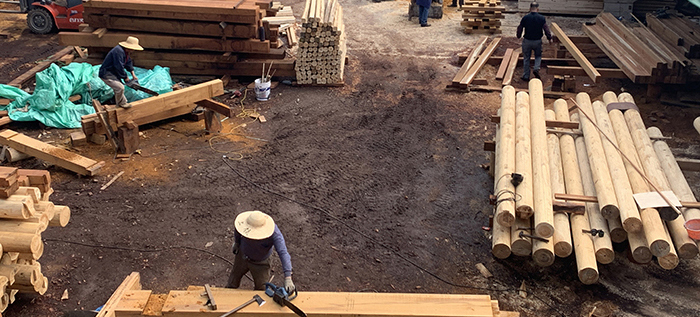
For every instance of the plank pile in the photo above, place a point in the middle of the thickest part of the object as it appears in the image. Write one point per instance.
(682, 34)
(605, 165)
(572, 7)
(191, 37)
(24, 215)
(640, 55)
(482, 16)
(129, 299)
(322, 44)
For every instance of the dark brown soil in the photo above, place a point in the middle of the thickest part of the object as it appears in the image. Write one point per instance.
(390, 164)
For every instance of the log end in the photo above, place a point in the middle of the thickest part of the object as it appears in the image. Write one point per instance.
(632, 224)
(521, 247)
(641, 255)
(506, 218)
(61, 216)
(563, 249)
(543, 257)
(688, 250)
(588, 275)
(667, 213)
(618, 235)
(501, 251)
(660, 248)
(605, 255)
(544, 229)
(36, 244)
(668, 262)
(524, 212)
(610, 212)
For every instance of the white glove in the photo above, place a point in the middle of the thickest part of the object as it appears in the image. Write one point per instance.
(289, 285)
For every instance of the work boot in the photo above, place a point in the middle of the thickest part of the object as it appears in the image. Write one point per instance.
(460, 9)
(425, 25)
(452, 6)
(126, 106)
(537, 74)
(525, 79)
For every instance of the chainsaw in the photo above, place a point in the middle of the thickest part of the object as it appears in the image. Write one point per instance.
(280, 296)
(134, 84)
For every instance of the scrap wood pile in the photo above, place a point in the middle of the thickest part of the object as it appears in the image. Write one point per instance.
(586, 179)
(574, 7)
(25, 212)
(645, 55)
(322, 43)
(191, 37)
(130, 299)
(482, 16)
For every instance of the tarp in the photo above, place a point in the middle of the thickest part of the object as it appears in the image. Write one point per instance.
(50, 104)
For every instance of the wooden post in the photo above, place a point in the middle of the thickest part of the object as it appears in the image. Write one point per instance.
(500, 240)
(523, 156)
(584, 248)
(629, 214)
(212, 122)
(543, 252)
(562, 227)
(541, 182)
(505, 160)
(20, 242)
(520, 246)
(673, 172)
(604, 252)
(128, 135)
(599, 166)
(670, 260)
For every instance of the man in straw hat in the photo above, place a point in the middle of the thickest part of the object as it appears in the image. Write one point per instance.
(254, 236)
(112, 71)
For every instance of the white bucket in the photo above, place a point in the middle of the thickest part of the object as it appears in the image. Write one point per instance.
(262, 90)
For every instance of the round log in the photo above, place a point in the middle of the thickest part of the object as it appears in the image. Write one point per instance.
(523, 156)
(604, 252)
(4, 301)
(617, 233)
(45, 207)
(32, 192)
(520, 246)
(505, 160)
(629, 214)
(27, 274)
(19, 226)
(584, 249)
(61, 216)
(543, 252)
(500, 240)
(9, 272)
(562, 227)
(13, 155)
(696, 124)
(4, 281)
(16, 209)
(20, 242)
(541, 181)
(599, 166)
(669, 261)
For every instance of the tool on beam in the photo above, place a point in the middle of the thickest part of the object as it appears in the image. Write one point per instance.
(255, 299)
(280, 296)
(210, 297)
(134, 84)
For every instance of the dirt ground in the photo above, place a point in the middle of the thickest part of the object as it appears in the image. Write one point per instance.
(390, 155)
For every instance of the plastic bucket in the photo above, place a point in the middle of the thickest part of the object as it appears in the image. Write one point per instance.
(693, 227)
(262, 90)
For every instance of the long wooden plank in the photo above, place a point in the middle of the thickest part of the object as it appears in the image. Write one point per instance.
(504, 64)
(28, 75)
(620, 57)
(132, 282)
(579, 71)
(576, 53)
(512, 64)
(216, 106)
(213, 7)
(57, 156)
(245, 31)
(155, 41)
(471, 74)
(470, 60)
(189, 15)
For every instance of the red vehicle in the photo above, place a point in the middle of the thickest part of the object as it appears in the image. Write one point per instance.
(44, 16)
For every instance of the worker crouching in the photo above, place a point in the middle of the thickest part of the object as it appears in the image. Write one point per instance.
(114, 68)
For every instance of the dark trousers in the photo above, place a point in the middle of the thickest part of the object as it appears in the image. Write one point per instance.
(528, 47)
(241, 266)
(454, 3)
(423, 15)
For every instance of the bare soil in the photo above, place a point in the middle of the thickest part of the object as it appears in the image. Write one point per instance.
(390, 155)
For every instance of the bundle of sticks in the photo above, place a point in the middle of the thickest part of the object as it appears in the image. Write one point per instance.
(322, 44)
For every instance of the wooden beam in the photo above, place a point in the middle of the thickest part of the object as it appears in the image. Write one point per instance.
(132, 282)
(68, 160)
(505, 62)
(178, 27)
(28, 75)
(512, 64)
(216, 106)
(469, 60)
(579, 71)
(578, 56)
(471, 74)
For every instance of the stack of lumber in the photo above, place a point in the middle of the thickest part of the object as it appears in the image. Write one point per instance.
(572, 7)
(482, 16)
(642, 57)
(681, 33)
(191, 37)
(152, 109)
(24, 215)
(473, 63)
(322, 44)
(606, 162)
(130, 299)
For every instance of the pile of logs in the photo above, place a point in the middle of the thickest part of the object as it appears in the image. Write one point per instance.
(611, 157)
(322, 44)
(24, 214)
(191, 37)
(482, 16)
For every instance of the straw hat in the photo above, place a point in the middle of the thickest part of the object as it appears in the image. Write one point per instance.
(255, 225)
(131, 43)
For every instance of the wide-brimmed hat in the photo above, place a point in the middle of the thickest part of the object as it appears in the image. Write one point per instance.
(255, 225)
(131, 43)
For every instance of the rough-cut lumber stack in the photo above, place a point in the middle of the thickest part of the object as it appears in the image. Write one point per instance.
(24, 215)
(130, 299)
(573, 7)
(191, 37)
(482, 16)
(473, 64)
(679, 32)
(322, 44)
(611, 158)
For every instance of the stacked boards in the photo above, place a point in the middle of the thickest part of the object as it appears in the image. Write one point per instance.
(681, 33)
(24, 215)
(482, 16)
(605, 164)
(191, 37)
(322, 44)
(572, 7)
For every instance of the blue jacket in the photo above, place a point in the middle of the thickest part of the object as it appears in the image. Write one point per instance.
(424, 3)
(259, 250)
(115, 63)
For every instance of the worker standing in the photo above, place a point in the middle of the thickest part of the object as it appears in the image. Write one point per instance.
(534, 23)
(255, 233)
(423, 9)
(115, 65)
(454, 4)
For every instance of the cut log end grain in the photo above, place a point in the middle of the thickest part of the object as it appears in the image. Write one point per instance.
(632, 225)
(659, 248)
(501, 251)
(605, 256)
(61, 216)
(588, 275)
(544, 229)
(521, 247)
(642, 255)
(507, 218)
(524, 212)
(543, 257)
(668, 262)
(610, 212)
(688, 251)
(563, 249)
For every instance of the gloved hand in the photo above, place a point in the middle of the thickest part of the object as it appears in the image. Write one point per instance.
(289, 285)
(235, 248)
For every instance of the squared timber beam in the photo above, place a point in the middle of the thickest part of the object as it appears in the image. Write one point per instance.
(578, 56)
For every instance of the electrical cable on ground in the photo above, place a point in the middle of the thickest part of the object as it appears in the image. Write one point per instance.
(385, 246)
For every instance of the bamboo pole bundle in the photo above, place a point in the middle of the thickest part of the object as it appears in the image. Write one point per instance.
(542, 189)
(523, 156)
(505, 160)
(562, 227)
(599, 166)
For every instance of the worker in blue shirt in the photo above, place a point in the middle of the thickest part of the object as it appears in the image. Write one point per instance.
(254, 236)
(534, 23)
(423, 8)
(115, 65)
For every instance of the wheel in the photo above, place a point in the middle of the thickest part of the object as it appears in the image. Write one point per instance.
(40, 21)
